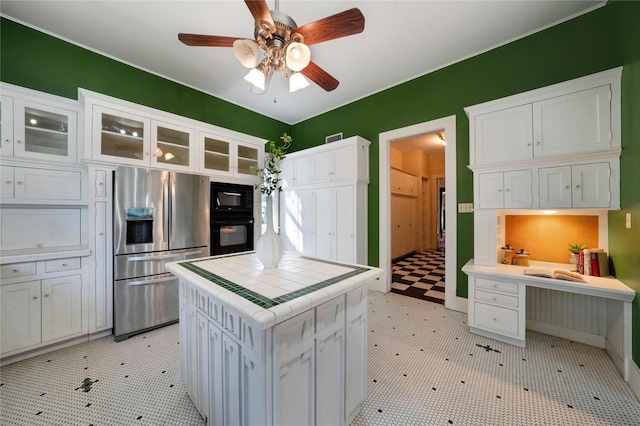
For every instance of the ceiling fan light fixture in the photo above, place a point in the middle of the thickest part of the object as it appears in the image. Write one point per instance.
(256, 77)
(246, 52)
(298, 56)
(297, 82)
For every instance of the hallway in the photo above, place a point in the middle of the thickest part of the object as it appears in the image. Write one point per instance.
(420, 275)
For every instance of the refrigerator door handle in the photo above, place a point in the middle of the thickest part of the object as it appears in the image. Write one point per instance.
(153, 281)
(165, 207)
(163, 256)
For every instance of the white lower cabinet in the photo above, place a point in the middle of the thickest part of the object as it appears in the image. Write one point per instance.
(307, 370)
(497, 310)
(39, 311)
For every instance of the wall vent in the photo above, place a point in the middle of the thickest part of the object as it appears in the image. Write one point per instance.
(333, 138)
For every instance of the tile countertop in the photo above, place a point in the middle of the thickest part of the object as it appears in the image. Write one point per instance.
(268, 296)
(31, 255)
(607, 287)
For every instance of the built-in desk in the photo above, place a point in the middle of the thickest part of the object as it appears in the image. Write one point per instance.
(498, 308)
(275, 346)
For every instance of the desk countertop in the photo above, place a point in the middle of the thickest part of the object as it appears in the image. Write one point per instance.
(607, 287)
(267, 296)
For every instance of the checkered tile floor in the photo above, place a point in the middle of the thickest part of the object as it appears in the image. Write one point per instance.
(421, 276)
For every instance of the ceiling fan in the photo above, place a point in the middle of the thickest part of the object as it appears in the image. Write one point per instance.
(285, 45)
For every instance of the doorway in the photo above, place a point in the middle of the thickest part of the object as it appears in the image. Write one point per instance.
(448, 126)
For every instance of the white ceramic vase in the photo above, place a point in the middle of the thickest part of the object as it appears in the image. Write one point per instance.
(270, 248)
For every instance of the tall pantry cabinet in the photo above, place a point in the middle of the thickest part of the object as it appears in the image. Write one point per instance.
(323, 204)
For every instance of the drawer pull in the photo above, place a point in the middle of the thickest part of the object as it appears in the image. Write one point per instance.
(65, 264)
(495, 319)
(15, 270)
(495, 299)
(20, 182)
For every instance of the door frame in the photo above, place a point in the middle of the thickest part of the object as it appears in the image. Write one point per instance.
(448, 125)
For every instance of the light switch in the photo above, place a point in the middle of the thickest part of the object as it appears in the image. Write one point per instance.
(628, 224)
(465, 208)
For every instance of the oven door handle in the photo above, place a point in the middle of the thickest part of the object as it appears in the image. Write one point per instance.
(152, 281)
(232, 222)
(163, 256)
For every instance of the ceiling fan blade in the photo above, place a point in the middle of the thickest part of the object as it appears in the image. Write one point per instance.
(260, 12)
(320, 77)
(206, 40)
(335, 26)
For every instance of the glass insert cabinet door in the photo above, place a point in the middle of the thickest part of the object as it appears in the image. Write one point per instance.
(42, 131)
(173, 145)
(246, 157)
(122, 135)
(217, 153)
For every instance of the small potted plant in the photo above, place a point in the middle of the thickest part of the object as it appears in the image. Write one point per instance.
(575, 250)
(270, 248)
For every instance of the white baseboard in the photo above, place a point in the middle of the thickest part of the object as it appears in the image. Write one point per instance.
(566, 333)
(462, 305)
(619, 362)
(42, 350)
(634, 377)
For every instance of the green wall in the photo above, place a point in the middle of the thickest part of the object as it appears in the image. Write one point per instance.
(605, 38)
(42, 62)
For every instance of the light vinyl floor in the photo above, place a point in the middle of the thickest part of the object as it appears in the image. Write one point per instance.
(424, 368)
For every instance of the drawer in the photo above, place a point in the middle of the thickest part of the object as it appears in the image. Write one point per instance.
(330, 313)
(231, 322)
(498, 286)
(294, 331)
(496, 298)
(493, 318)
(22, 269)
(57, 265)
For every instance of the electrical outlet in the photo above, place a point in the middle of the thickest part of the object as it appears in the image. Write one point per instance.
(465, 207)
(628, 221)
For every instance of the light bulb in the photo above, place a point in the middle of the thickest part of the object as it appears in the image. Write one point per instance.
(123, 132)
(33, 121)
(256, 77)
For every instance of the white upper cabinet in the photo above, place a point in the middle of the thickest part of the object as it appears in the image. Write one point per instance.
(172, 146)
(504, 135)
(567, 136)
(120, 137)
(580, 116)
(575, 123)
(226, 156)
(38, 126)
(296, 171)
(333, 165)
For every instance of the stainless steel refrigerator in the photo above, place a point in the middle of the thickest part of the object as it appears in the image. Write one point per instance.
(159, 216)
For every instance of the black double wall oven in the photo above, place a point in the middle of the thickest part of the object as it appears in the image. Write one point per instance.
(232, 219)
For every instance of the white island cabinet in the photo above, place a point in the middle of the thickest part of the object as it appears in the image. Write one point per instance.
(274, 346)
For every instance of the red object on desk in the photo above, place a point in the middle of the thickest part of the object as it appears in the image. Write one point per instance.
(595, 265)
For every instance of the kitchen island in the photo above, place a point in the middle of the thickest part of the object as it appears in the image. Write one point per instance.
(276, 346)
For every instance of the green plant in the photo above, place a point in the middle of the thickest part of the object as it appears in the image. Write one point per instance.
(575, 248)
(270, 173)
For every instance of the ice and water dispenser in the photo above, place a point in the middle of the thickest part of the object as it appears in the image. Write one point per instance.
(140, 225)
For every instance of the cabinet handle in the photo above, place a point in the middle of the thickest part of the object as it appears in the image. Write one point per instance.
(20, 182)
(495, 299)
(15, 270)
(500, 190)
(39, 245)
(35, 297)
(100, 233)
(7, 140)
(64, 264)
(508, 190)
(20, 142)
(538, 142)
(46, 295)
(528, 143)
(495, 319)
(9, 182)
(577, 186)
(567, 187)
(101, 184)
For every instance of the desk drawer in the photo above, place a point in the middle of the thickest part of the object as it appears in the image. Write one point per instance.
(497, 286)
(496, 298)
(14, 270)
(57, 265)
(496, 319)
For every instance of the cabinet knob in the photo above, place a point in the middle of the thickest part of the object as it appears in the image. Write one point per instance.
(15, 270)
(508, 190)
(500, 190)
(577, 186)
(495, 299)
(566, 187)
(35, 297)
(538, 143)
(39, 245)
(528, 143)
(19, 182)
(64, 264)
(100, 233)
(46, 295)
(20, 142)
(8, 182)
(495, 319)
(101, 184)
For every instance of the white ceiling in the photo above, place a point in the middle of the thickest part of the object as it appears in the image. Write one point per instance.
(402, 40)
